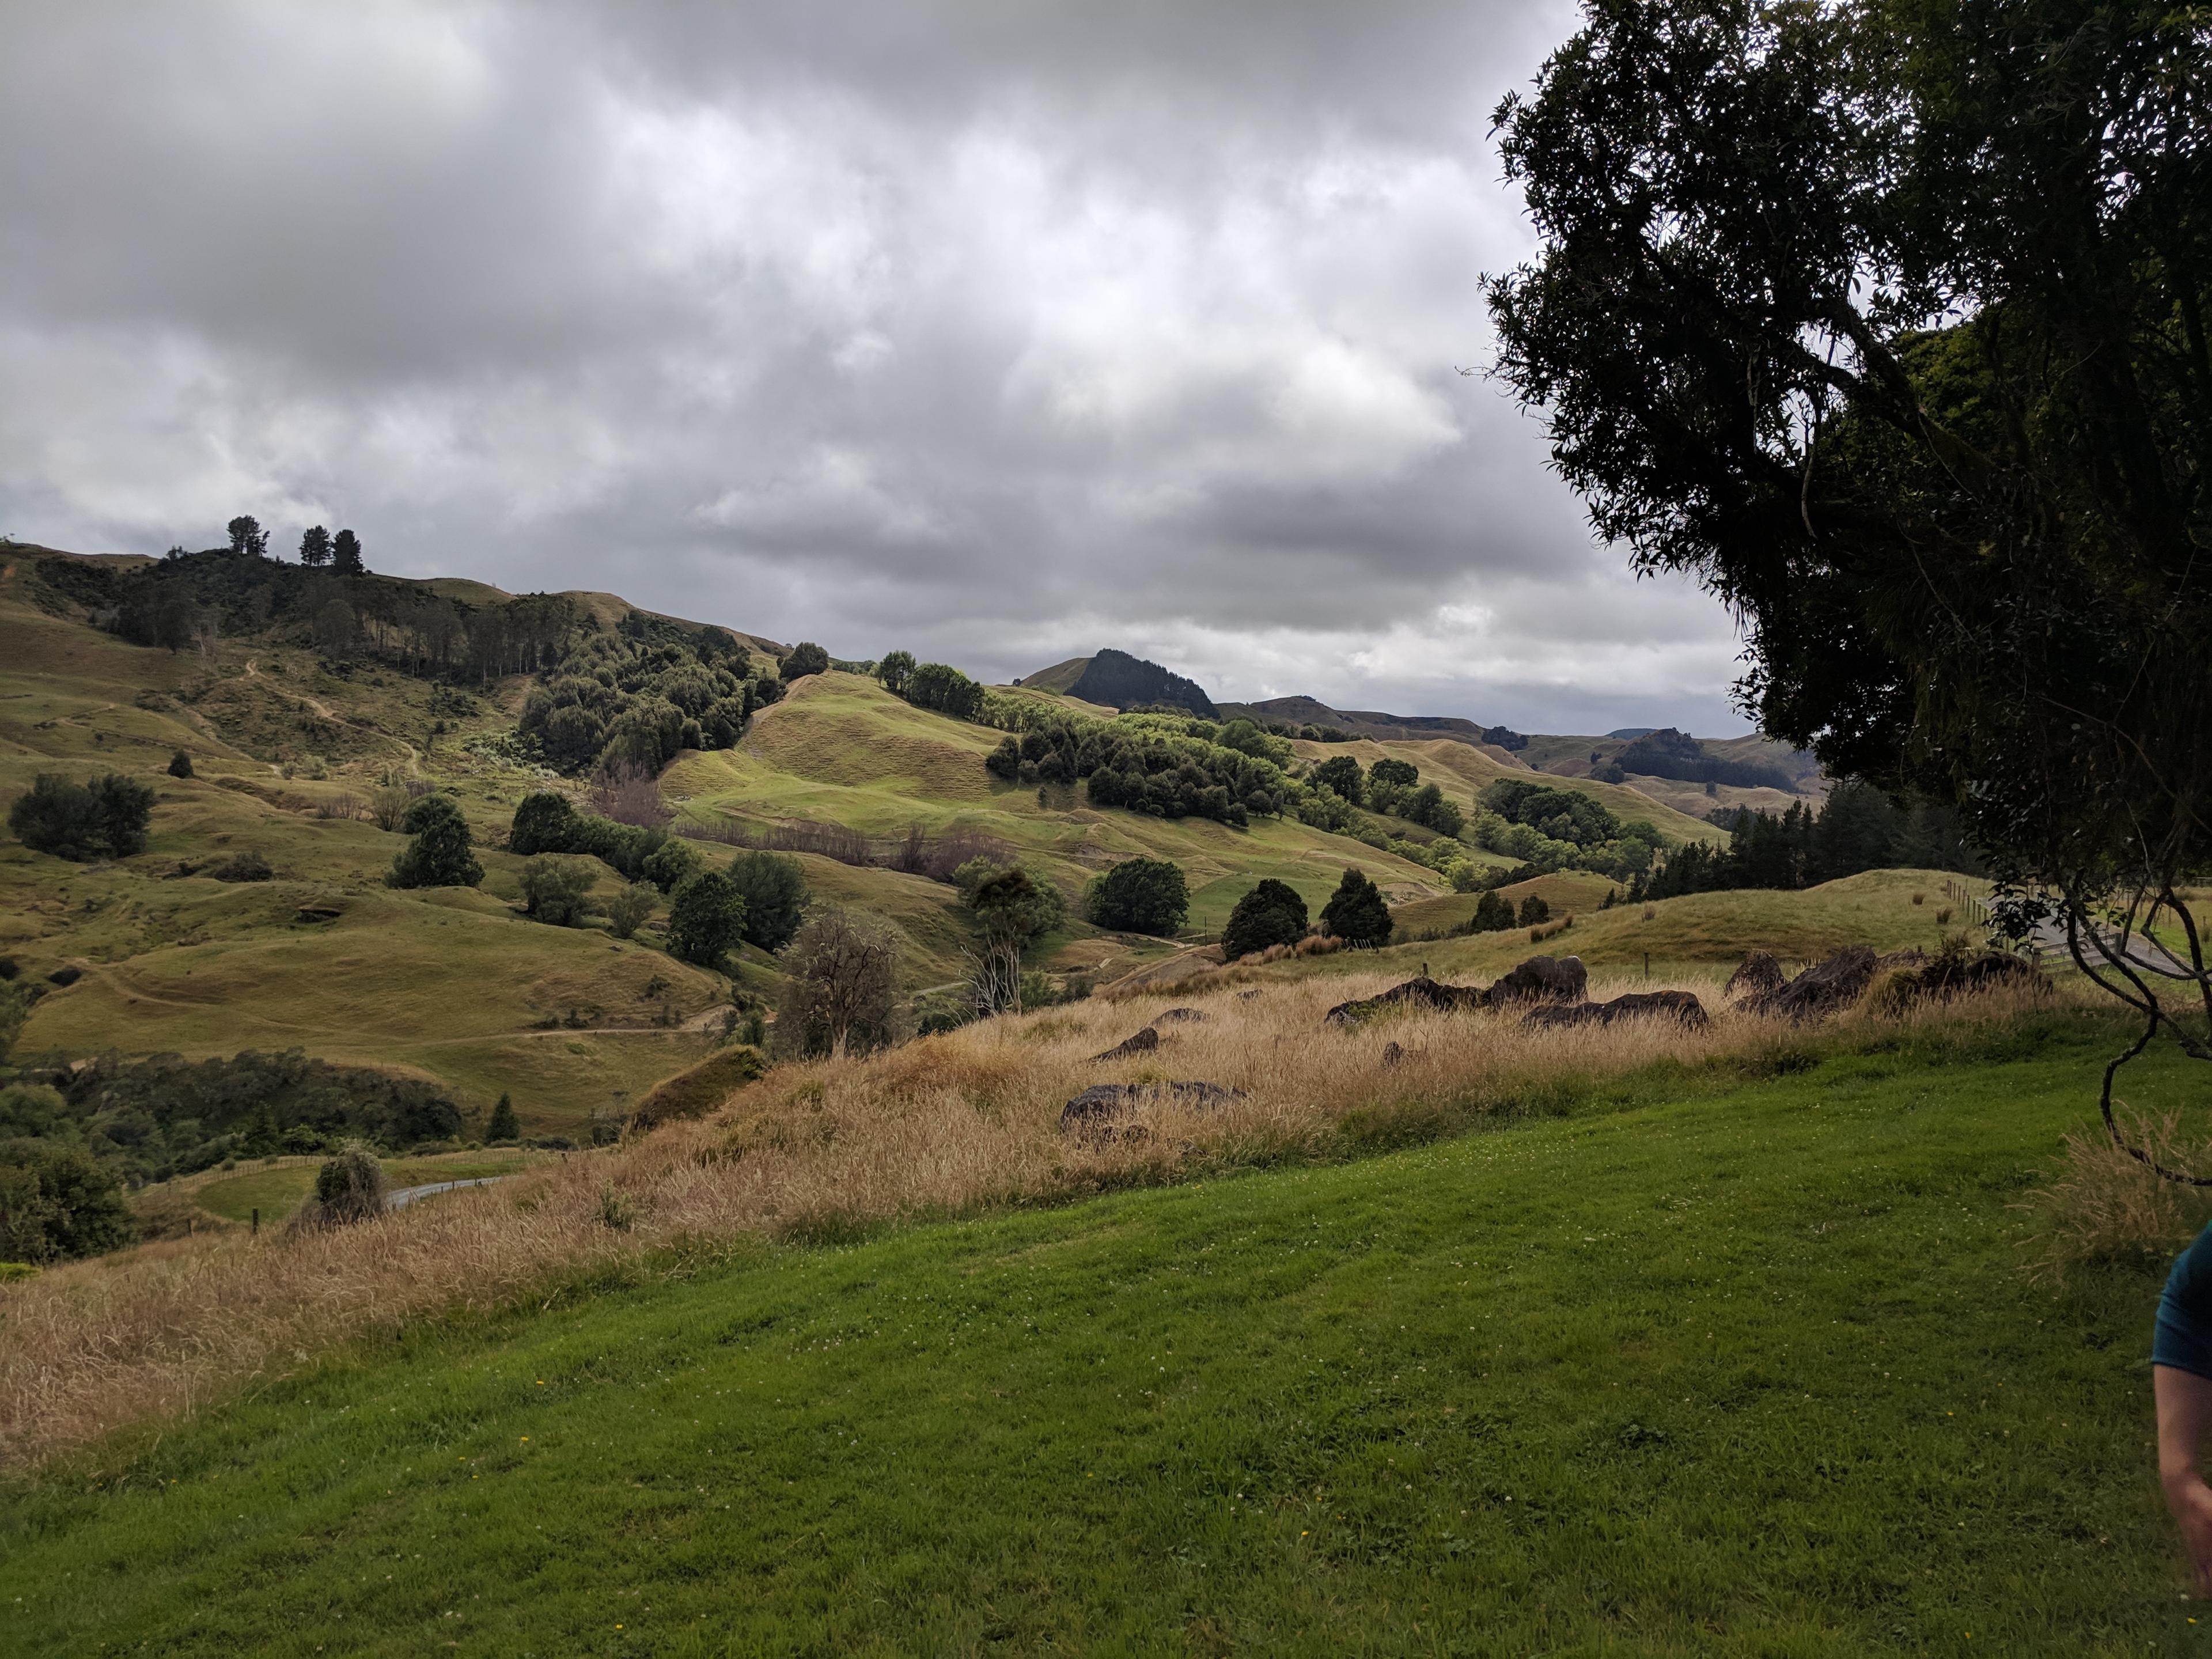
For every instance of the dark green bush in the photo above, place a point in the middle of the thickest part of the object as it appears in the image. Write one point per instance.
(1140, 896)
(1357, 912)
(557, 890)
(441, 853)
(1271, 914)
(57, 1202)
(705, 918)
(774, 888)
(80, 821)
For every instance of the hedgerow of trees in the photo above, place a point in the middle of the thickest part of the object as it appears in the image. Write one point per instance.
(1857, 828)
(1552, 828)
(545, 822)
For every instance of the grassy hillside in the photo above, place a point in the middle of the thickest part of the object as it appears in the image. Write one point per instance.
(457, 985)
(1463, 771)
(449, 984)
(841, 748)
(1877, 907)
(1061, 676)
(1750, 1369)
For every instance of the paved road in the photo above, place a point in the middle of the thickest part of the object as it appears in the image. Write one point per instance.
(406, 1195)
(2144, 956)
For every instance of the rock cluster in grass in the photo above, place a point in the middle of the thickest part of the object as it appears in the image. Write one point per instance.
(1099, 1109)
(1540, 978)
(1758, 975)
(1679, 1006)
(1142, 1043)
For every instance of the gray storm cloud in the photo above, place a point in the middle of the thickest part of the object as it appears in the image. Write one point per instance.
(999, 331)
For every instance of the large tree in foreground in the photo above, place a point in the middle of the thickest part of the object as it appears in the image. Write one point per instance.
(1887, 322)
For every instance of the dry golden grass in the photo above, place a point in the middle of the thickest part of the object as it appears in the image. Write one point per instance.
(2105, 1209)
(950, 1123)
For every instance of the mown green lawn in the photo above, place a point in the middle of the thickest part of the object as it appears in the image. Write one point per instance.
(1754, 1373)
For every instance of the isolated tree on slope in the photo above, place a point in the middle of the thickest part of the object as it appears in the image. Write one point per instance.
(315, 547)
(705, 918)
(1357, 912)
(346, 554)
(1271, 914)
(774, 888)
(246, 535)
(442, 853)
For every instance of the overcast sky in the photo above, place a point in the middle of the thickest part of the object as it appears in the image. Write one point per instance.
(998, 330)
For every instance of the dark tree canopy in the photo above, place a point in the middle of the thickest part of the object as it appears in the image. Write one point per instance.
(1888, 323)
(1140, 896)
(896, 669)
(346, 554)
(705, 918)
(246, 535)
(774, 888)
(107, 817)
(315, 547)
(806, 658)
(1341, 774)
(1357, 912)
(441, 855)
(56, 1201)
(1271, 914)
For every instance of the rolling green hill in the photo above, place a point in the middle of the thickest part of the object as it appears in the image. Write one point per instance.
(1703, 1367)
(457, 985)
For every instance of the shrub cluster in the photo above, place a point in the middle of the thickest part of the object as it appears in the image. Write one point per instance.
(761, 898)
(104, 818)
(639, 696)
(1145, 763)
(548, 822)
(1140, 896)
(1551, 828)
(152, 1119)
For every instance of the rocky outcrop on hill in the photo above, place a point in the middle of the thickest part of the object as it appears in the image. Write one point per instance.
(1823, 989)
(1681, 1007)
(1540, 978)
(1759, 976)
(1142, 1043)
(1098, 1110)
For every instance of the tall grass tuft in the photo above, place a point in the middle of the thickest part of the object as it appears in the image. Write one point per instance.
(2106, 1210)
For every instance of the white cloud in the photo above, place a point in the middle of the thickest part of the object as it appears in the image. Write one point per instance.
(1004, 334)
